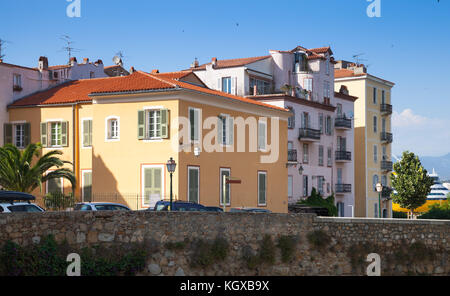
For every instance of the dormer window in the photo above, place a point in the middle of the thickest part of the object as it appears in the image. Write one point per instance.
(17, 82)
(299, 62)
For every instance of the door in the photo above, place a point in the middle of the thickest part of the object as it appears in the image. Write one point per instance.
(153, 185)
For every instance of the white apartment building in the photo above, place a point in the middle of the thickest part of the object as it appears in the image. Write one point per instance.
(17, 82)
(320, 145)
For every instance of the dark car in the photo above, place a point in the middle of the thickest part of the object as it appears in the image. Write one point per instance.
(214, 209)
(179, 206)
(249, 210)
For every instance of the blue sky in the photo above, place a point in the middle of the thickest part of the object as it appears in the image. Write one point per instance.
(406, 45)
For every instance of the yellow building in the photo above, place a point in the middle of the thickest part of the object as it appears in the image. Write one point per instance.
(120, 132)
(373, 136)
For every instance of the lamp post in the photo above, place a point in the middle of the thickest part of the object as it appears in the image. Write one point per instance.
(379, 190)
(171, 165)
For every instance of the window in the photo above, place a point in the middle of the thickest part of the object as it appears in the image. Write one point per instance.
(308, 84)
(339, 176)
(224, 173)
(384, 180)
(290, 186)
(383, 125)
(153, 180)
(194, 119)
(383, 97)
(262, 135)
(17, 80)
(226, 130)
(58, 133)
(113, 128)
(194, 184)
(305, 186)
(17, 134)
(226, 85)
(374, 95)
(384, 157)
(320, 182)
(87, 133)
(153, 124)
(339, 110)
(341, 209)
(375, 153)
(305, 153)
(320, 155)
(326, 89)
(299, 62)
(375, 208)
(328, 66)
(262, 86)
(342, 144)
(291, 120)
(305, 120)
(92, 75)
(328, 129)
(262, 188)
(321, 122)
(87, 186)
(375, 182)
(329, 157)
(375, 123)
(55, 185)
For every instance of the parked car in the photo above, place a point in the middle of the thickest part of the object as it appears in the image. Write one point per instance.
(18, 202)
(100, 206)
(180, 206)
(214, 209)
(249, 210)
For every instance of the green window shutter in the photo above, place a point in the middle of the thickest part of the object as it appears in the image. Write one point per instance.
(44, 134)
(86, 133)
(64, 133)
(165, 123)
(192, 122)
(193, 185)
(26, 134)
(152, 184)
(230, 131)
(90, 132)
(141, 124)
(262, 188)
(7, 133)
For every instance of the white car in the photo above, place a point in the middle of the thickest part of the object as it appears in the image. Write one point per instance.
(18, 202)
(100, 206)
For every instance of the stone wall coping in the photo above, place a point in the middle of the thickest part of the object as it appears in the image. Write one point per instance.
(380, 221)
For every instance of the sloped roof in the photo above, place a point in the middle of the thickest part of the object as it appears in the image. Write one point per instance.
(232, 62)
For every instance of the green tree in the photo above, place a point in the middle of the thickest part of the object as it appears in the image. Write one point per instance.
(316, 200)
(411, 182)
(19, 171)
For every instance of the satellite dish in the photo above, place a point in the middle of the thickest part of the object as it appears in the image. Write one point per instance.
(117, 60)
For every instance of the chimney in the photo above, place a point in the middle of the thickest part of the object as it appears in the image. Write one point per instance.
(99, 62)
(73, 61)
(194, 64)
(132, 70)
(155, 71)
(343, 90)
(43, 63)
(1, 61)
(214, 62)
(86, 61)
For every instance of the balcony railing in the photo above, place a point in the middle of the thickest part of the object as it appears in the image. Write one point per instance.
(386, 137)
(386, 109)
(387, 166)
(343, 188)
(343, 156)
(309, 134)
(292, 155)
(343, 123)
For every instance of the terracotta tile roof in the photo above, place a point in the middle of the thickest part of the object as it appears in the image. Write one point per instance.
(345, 97)
(341, 73)
(232, 62)
(321, 50)
(79, 90)
(174, 75)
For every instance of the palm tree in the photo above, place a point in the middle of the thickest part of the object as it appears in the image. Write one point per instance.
(17, 172)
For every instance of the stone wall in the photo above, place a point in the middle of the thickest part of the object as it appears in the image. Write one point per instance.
(350, 240)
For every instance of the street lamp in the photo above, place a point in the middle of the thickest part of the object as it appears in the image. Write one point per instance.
(379, 190)
(171, 165)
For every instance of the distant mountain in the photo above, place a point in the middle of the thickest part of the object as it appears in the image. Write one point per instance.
(441, 164)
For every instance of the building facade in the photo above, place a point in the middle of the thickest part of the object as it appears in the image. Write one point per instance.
(300, 80)
(119, 132)
(373, 137)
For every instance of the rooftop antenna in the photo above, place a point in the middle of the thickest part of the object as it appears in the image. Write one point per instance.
(358, 59)
(69, 49)
(119, 55)
(2, 47)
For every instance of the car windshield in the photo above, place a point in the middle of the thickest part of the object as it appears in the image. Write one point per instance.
(24, 208)
(160, 207)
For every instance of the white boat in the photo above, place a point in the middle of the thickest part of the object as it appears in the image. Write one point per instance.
(438, 191)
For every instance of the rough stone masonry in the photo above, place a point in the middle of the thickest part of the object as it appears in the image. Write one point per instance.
(242, 230)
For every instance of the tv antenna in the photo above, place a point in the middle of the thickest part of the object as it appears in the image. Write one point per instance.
(2, 47)
(358, 59)
(119, 57)
(68, 48)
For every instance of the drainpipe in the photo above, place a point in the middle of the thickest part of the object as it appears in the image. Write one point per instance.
(75, 150)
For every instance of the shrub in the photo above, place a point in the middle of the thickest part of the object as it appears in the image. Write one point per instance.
(205, 253)
(399, 215)
(319, 239)
(316, 200)
(177, 246)
(287, 246)
(58, 201)
(266, 253)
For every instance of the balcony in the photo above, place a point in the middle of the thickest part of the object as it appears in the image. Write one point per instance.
(343, 188)
(292, 155)
(343, 123)
(386, 138)
(387, 166)
(386, 109)
(341, 156)
(309, 134)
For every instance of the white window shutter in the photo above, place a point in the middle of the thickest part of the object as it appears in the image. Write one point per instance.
(233, 85)
(219, 84)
